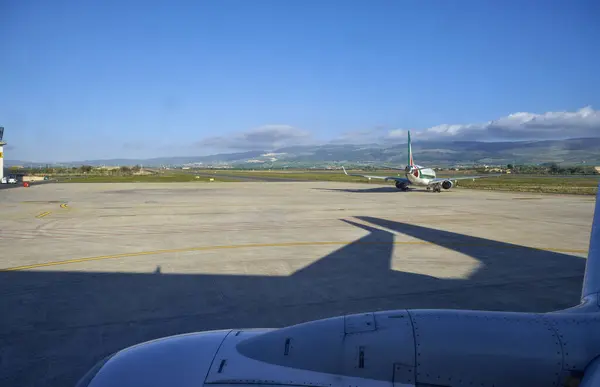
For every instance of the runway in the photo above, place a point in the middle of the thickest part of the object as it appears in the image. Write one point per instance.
(88, 269)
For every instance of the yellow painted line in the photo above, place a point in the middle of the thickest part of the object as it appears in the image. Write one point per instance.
(64, 205)
(229, 247)
(43, 214)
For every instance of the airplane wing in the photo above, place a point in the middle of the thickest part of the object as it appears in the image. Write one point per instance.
(386, 178)
(390, 167)
(442, 179)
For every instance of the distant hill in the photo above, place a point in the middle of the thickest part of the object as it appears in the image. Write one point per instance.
(571, 151)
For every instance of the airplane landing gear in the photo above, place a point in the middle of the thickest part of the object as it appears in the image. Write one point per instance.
(436, 188)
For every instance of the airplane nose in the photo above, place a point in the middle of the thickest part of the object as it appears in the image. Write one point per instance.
(182, 360)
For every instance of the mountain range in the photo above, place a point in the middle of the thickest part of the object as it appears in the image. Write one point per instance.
(434, 153)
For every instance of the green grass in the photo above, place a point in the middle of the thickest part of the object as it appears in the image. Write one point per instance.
(305, 175)
(546, 184)
(159, 178)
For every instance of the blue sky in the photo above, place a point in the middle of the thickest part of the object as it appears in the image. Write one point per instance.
(101, 79)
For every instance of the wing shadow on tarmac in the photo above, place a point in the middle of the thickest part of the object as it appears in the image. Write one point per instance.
(57, 324)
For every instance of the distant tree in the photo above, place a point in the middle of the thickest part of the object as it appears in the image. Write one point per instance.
(555, 169)
(510, 166)
(86, 168)
(125, 170)
(136, 168)
(576, 170)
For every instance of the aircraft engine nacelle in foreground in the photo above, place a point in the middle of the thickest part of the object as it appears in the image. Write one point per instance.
(447, 184)
(384, 349)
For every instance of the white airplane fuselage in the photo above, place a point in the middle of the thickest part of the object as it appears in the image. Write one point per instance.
(419, 175)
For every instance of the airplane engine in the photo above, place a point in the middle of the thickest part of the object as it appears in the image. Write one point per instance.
(372, 347)
(447, 184)
(401, 186)
(406, 348)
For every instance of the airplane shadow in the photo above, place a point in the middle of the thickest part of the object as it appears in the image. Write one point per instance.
(57, 324)
(384, 189)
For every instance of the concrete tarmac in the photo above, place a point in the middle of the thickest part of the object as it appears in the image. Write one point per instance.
(89, 269)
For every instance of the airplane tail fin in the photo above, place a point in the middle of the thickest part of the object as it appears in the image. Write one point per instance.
(410, 155)
(344, 170)
(591, 280)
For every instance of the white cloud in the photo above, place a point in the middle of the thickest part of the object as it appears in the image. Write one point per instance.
(584, 122)
(266, 137)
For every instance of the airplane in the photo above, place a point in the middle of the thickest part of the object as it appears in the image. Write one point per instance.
(394, 348)
(420, 176)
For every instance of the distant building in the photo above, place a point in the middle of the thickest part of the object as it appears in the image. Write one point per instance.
(108, 167)
(597, 169)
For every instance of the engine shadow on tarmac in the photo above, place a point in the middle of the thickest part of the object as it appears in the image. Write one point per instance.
(57, 324)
